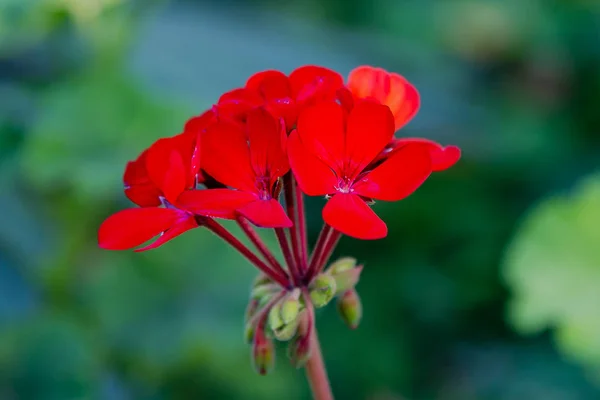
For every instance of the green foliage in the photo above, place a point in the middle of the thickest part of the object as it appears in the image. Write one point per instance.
(553, 269)
(89, 127)
(84, 89)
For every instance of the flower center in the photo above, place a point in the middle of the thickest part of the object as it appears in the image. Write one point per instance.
(262, 186)
(344, 185)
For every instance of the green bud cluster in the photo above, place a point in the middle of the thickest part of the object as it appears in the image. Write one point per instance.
(283, 316)
(274, 313)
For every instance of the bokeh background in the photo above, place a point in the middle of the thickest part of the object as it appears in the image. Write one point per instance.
(487, 287)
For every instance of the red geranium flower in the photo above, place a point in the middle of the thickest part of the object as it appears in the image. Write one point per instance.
(250, 159)
(331, 153)
(393, 90)
(282, 96)
(159, 176)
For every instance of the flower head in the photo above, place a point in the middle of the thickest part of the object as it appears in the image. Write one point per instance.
(159, 175)
(283, 96)
(250, 159)
(330, 153)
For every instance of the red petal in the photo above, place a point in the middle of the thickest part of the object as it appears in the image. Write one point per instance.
(226, 156)
(134, 226)
(321, 130)
(369, 82)
(312, 82)
(187, 144)
(403, 100)
(314, 177)
(398, 176)
(138, 186)
(442, 158)
(266, 214)
(199, 123)
(180, 227)
(350, 215)
(166, 168)
(393, 90)
(370, 128)
(267, 146)
(270, 84)
(218, 203)
(234, 105)
(346, 99)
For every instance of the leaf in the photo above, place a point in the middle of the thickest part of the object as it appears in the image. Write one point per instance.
(553, 269)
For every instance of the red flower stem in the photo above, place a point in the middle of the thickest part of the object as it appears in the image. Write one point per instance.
(317, 252)
(316, 374)
(333, 240)
(289, 187)
(223, 233)
(287, 255)
(259, 244)
(301, 228)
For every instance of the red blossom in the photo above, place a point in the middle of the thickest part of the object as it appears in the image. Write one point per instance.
(283, 96)
(442, 157)
(160, 175)
(250, 159)
(387, 88)
(330, 153)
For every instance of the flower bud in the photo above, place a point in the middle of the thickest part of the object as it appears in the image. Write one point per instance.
(251, 309)
(290, 307)
(263, 352)
(322, 290)
(350, 308)
(274, 318)
(249, 332)
(264, 291)
(286, 332)
(341, 265)
(260, 280)
(346, 280)
(298, 350)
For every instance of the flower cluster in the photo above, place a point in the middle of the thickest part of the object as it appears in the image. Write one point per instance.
(284, 136)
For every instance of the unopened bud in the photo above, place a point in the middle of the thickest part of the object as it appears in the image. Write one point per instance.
(350, 308)
(260, 280)
(274, 318)
(264, 291)
(263, 352)
(346, 280)
(290, 306)
(298, 350)
(322, 290)
(251, 309)
(249, 332)
(286, 332)
(341, 265)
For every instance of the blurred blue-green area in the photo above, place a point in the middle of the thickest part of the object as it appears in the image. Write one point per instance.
(487, 287)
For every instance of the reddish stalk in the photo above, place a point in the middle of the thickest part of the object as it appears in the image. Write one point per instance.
(301, 228)
(259, 244)
(316, 374)
(287, 255)
(318, 252)
(289, 188)
(332, 241)
(223, 233)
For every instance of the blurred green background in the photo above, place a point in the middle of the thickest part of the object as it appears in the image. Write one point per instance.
(487, 287)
